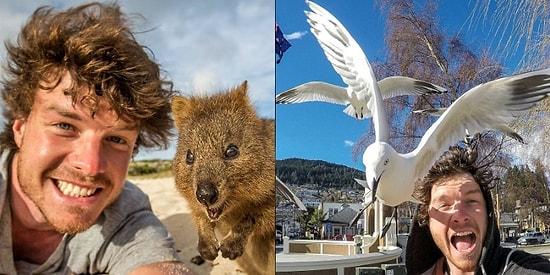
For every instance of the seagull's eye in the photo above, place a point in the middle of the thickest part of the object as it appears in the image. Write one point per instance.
(386, 161)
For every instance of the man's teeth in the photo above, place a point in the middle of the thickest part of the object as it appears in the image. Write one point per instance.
(459, 234)
(69, 189)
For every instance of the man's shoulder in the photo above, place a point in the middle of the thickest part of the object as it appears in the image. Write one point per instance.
(133, 194)
(131, 199)
(527, 263)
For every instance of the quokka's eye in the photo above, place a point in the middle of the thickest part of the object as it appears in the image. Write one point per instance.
(231, 152)
(190, 158)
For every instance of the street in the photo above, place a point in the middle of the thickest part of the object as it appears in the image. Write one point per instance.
(543, 249)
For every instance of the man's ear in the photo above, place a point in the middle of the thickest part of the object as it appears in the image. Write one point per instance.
(18, 127)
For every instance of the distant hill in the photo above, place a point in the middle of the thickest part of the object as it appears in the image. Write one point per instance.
(317, 172)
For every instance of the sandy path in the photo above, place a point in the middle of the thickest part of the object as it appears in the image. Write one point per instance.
(172, 210)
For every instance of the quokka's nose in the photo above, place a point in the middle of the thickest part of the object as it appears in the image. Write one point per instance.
(207, 194)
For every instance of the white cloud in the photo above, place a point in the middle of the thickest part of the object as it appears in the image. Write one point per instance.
(295, 35)
(203, 45)
(230, 42)
(348, 143)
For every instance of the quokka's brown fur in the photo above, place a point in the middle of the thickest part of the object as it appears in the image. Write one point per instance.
(225, 165)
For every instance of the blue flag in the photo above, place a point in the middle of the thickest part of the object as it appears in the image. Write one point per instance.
(281, 44)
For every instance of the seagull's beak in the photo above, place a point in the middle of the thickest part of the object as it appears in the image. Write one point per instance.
(374, 185)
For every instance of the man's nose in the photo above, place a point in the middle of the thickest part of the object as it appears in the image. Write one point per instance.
(460, 214)
(88, 155)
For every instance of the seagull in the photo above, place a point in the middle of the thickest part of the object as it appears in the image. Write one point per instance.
(503, 128)
(391, 175)
(351, 63)
(488, 106)
(356, 101)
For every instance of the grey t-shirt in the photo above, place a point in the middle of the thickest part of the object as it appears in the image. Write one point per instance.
(126, 236)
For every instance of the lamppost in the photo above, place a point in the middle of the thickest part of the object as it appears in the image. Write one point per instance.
(497, 183)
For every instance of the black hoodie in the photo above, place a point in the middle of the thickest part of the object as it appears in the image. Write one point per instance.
(422, 252)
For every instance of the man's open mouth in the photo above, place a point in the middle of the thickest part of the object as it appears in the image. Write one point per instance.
(69, 189)
(464, 241)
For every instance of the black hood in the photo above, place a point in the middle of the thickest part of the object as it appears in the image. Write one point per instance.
(422, 252)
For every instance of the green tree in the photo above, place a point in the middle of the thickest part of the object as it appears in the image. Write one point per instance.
(303, 218)
(530, 188)
(316, 220)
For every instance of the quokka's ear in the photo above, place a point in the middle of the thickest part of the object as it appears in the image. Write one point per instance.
(181, 107)
(240, 93)
(244, 85)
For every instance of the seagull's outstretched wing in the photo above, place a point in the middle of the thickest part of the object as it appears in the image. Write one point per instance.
(389, 87)
(314, 91)
(484, 107)
(350, 62)
(433, 112)
(402, 85)
(363, 183)
(503, 128)
(284, 191)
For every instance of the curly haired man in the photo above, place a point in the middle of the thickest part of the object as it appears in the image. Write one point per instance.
(455, 229)
(80, 97)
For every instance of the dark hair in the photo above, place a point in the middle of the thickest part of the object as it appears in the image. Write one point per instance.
(94, 44)
(457, 160)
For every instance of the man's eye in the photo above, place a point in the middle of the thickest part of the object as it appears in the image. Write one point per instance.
(117, 140)
(64, 126)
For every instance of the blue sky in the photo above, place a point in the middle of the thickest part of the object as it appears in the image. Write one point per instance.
(203, 45)
(317, 130)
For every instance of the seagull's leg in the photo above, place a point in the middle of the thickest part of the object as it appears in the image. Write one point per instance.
(352, 222)
(387, 225)
(467, 137)
(374, 192)
(375, 182)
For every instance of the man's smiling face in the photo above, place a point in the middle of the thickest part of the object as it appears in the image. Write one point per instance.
(71, 164)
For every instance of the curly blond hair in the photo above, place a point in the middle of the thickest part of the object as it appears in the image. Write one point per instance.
(95, 45)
